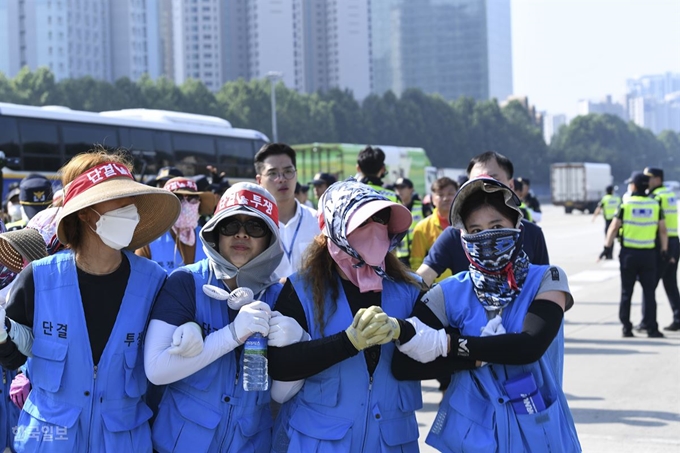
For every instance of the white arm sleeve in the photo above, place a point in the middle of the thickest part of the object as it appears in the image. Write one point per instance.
(22, 337)
(283, 391)
(164, 368)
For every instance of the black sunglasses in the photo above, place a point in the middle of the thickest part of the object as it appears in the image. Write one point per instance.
(253, 227)
(382, 217)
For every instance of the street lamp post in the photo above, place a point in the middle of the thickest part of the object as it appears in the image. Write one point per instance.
(273, 77)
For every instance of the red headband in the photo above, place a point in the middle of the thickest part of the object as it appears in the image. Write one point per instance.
(252, 199)
(94, 176)
(179, 184)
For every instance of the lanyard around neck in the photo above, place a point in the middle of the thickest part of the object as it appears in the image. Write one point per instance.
(289, 250)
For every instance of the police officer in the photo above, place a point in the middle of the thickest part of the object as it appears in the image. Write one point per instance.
(641, 219)
(519, 189)
(404, 188)
(608, 206)
(371, 168)
(667, 270)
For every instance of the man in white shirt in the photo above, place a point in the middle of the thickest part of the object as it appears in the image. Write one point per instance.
(275, 171)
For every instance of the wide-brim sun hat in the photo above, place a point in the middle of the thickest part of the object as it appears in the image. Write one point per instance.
(22, 245)
(400, 217)
(187, 186)
(158, 208)
(488, 185)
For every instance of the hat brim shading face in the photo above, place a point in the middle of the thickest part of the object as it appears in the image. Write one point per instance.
(400, 217)
(16, 246)
(208, 202)
(488, 185)
(158, 208)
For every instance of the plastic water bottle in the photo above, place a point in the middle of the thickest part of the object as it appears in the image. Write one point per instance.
(255, 373)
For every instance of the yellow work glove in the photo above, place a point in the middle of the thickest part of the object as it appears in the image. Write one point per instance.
(363, 327)
(389, 329)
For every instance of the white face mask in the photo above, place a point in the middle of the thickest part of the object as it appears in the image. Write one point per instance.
(116, 228)
(14, 211)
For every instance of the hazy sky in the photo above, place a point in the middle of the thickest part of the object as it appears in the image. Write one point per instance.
(566, 50)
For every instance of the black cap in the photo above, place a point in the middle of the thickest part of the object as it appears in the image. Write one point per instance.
(165, 174)
(639, 179)
(202, 183)
(651, 171)
(323, 178)
(35, 194)
(404, 182)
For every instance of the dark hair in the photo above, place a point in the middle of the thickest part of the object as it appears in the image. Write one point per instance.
(371, 161)
(272, 149)
(519, 185)
(442, 182)
(481, 198)
(609, 189)
(488, 156)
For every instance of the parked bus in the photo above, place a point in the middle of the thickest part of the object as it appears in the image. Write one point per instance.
(42, 139)
(340, 160)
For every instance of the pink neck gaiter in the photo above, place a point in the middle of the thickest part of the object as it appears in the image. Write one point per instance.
(372, 243)
(186, 223)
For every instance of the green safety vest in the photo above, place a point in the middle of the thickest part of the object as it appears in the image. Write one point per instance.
(526, 212)
(610, 206)
(18, 225)
(640, 222)
(389, 194)
(404, 248)
(669, 204)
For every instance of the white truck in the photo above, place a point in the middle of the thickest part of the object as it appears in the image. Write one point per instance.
(579, 185)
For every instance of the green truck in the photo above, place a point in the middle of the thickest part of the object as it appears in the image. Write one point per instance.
(340, 160)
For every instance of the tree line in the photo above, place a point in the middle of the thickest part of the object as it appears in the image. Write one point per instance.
(451, 132)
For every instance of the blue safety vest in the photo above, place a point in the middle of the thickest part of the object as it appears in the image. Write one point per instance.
(75, 405)
(165, 252)
(476, 414)
(209, 411)
(342, 408)
(9, 413)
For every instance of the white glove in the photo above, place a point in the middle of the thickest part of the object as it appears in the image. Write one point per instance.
(493, 327)
(251, 318)
(187, 340)
(427, 344)
(3, 330)
(284, 330)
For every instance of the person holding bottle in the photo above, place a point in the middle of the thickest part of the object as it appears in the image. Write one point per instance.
(505, 314)
(198, 327)
(348, 285)
(88, 308)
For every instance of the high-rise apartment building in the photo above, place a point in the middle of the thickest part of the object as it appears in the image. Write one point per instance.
(103, 39)
(605, 106)
(653, 102)
(654, 86)
(551, 125)
(450, 47)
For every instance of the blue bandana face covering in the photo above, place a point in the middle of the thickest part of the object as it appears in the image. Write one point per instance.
(498, 265)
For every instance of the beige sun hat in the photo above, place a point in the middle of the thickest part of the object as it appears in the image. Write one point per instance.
(22, 245)
(158, 209)
(185, 186)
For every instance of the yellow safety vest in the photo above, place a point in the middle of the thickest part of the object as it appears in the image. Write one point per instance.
(669, 204)
(404, 249)
(526, 212)
(610, 206)
(640, 222)
(389, 194)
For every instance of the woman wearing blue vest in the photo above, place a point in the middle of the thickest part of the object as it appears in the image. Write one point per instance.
(204, 407)
(349, 402)
(88, 307)
(506, 314)
(180, 246)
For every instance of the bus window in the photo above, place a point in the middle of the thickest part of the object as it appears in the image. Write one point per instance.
(235, 157)
(40, 142)
(193, 153)
(80, 138)
(9, 137)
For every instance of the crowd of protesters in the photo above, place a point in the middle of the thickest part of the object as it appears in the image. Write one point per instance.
(124, 330)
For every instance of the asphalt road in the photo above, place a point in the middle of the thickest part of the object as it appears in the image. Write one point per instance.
(624, 393)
